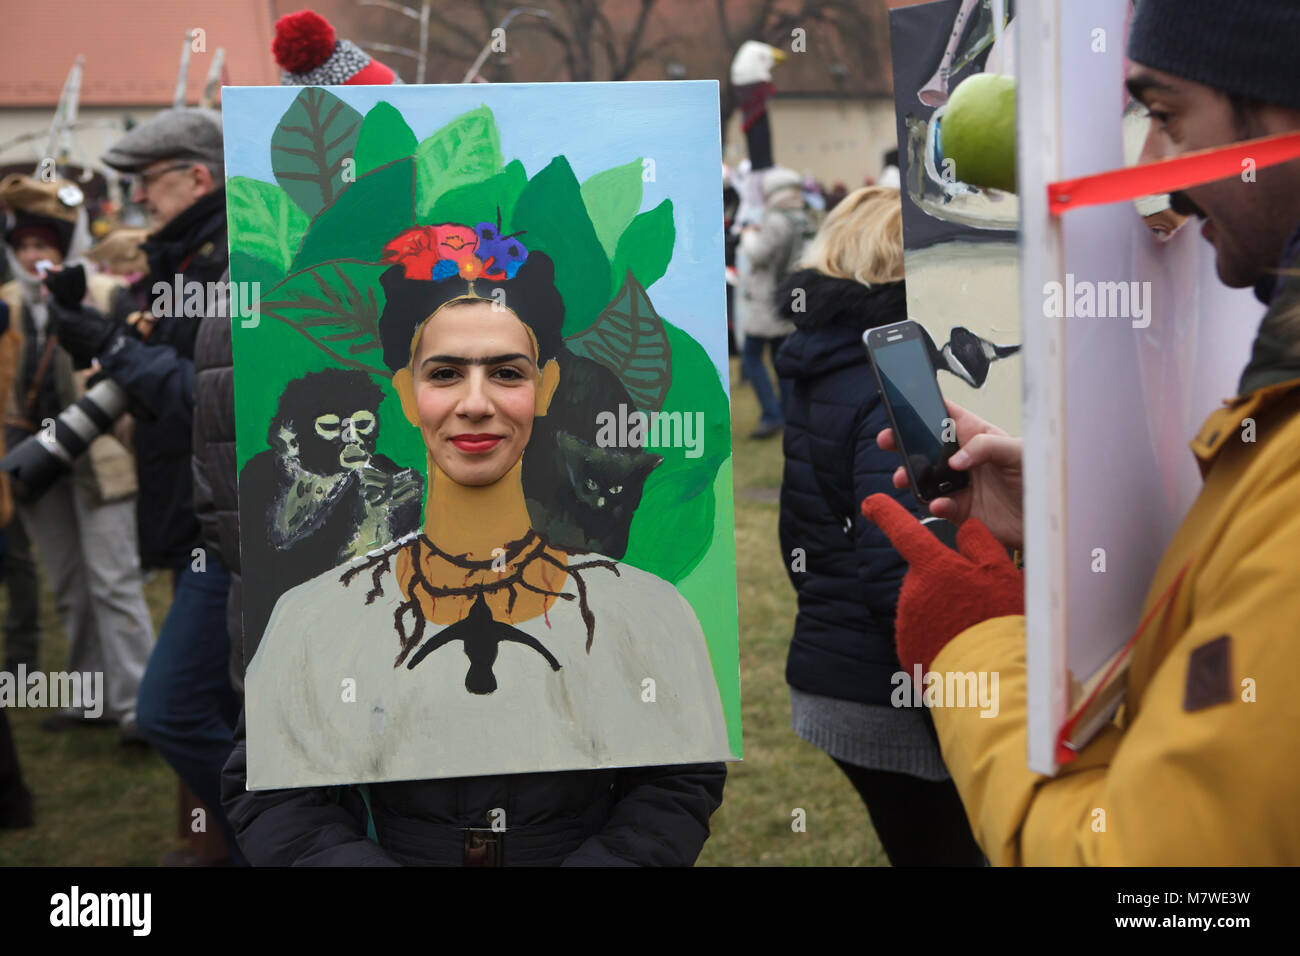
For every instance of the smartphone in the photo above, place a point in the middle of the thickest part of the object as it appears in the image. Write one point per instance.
(900, 359)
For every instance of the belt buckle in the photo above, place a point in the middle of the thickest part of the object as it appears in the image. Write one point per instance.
(482, 846)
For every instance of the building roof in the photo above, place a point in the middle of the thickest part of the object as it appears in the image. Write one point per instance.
(132, 49)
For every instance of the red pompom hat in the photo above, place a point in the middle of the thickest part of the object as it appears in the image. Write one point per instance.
(309, 54)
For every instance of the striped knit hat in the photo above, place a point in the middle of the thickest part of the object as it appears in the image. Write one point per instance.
(309, 54)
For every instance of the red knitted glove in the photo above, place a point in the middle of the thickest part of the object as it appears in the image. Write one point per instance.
(944, 592)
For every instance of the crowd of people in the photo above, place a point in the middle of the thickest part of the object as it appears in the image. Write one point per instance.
(1187, 772)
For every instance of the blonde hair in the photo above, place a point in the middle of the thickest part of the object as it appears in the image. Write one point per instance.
(861, 239)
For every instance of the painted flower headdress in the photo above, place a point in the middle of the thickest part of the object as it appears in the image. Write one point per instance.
(454, 249)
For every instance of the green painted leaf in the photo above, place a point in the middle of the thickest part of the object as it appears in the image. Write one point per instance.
(629, 339)
(336, 306)
(673, 526)
(646, 246)
(466, 150)
(384, 137)
(478, 202)
(264, 222)
(612, 198)
(552, 213)
(245, 267)
(316, 134)
(370, 212)
(710, 588)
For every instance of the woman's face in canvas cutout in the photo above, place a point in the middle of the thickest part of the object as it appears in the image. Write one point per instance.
(476, 390)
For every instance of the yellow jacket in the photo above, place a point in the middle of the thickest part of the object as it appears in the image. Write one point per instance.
(1202, 765)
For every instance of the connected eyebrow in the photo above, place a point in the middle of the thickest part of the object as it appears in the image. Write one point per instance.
(489, 360)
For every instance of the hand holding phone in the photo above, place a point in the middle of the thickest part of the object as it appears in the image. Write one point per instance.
(926, 435)
(993, 460)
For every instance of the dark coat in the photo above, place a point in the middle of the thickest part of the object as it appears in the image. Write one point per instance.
(843, 644)
(642, 816)
(216, 493)
(158, 375)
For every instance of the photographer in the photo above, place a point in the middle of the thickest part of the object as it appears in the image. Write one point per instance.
(84, 525)
(187, 704)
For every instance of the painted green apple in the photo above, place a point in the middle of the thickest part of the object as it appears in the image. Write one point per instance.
(978, 131)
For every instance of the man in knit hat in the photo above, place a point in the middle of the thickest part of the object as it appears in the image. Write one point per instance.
(1199, 767)
(84, 525)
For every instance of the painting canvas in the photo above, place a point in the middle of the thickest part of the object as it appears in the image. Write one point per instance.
(1112, 396)
(959, 241)
(442, 579)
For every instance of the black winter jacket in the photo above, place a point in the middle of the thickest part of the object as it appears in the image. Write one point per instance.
(843, 645)
(216, 486)
(158, 375)
(640, 816)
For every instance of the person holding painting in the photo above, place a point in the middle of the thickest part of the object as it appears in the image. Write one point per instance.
(1194, 771)
(460, 662)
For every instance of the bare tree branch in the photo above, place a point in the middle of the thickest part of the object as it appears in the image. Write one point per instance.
(725, 28)
(552, 30)
(634, 40)
(475, 40)
(607, 41)
(654, 49)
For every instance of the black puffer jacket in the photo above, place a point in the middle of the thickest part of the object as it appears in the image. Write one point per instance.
(843, 644)
(158, 375)
(642, 816)
(216, 491)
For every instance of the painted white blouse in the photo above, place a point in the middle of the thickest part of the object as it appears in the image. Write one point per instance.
(325, 704)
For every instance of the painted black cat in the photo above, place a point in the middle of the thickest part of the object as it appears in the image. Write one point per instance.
(592, 505)
(582, 497)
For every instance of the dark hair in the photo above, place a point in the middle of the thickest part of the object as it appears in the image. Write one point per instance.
(1244, 109)
(301, 399)
(49, 228)
(531, 295)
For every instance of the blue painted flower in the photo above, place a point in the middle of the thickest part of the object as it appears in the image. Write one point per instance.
(502, 255)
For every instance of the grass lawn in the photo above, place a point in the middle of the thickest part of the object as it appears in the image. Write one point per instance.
(97, 803)
(100, 804)
(780, 773)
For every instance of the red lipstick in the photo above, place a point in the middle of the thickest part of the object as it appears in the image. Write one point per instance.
(476, 444)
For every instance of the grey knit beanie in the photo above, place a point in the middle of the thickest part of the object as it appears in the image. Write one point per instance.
(1247, 47)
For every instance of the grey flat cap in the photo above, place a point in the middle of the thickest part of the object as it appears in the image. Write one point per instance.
(172, 134)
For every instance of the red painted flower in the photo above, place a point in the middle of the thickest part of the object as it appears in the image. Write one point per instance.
(419, 250)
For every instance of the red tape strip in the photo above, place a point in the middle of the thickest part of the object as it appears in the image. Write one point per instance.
(1064, 754)
(1171, 175)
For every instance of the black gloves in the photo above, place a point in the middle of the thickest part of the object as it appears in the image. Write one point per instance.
(83, 332)
(67, 285)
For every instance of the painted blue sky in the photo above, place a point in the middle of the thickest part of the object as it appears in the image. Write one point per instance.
(596, 126)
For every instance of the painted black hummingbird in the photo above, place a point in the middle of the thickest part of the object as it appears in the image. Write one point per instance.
(481, 635)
